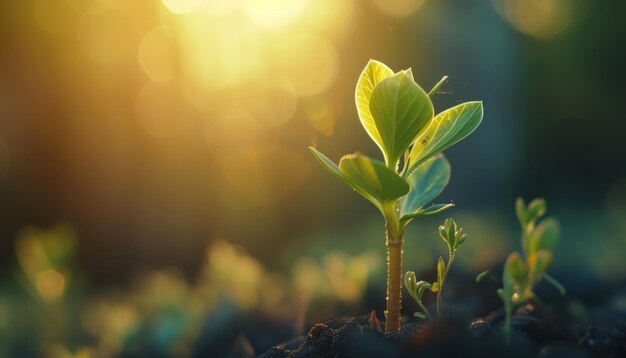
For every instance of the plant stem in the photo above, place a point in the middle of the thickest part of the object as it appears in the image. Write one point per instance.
(434, 90)
(425, 310)
(443, 280)
(394, 280)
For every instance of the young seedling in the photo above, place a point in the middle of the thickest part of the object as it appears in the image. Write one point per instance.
(522, 272)
(399, 117)
(453, 236)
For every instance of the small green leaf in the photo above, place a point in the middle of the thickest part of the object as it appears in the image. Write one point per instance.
(334, 169)
(428, 211)
(481, 276)
(410, 282)
(555, 283)
(401, 109)
(514, 270)
(520, 211)
(538, 264)
(535, 210)
(421, 287)
(446, 129)
(373, 177)
(373, 73)
(434, 287)
(545, 236)
(441, 267)
(427, 182)
(419, 315)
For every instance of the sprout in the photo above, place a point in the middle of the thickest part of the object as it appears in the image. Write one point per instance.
(399, 117)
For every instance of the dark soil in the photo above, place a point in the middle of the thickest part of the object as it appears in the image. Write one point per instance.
(535, 335)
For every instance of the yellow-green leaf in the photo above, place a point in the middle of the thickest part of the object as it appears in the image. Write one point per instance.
(400, 109)
(545, 236)
(446, 129)
(373, 177)
(373, 73)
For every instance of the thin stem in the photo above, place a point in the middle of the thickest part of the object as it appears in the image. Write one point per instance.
(394, 281)
(443, 280)
(439, 84)
(424, 309)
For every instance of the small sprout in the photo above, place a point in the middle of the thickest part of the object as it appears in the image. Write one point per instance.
(453, 236)
(400, 118)
(416, 290)
(521, 273)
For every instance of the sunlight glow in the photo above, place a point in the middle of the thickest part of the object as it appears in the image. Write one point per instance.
(538, 18)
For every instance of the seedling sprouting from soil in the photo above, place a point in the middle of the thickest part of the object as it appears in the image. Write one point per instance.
(400, 118)
(522, 272)
(453, 236)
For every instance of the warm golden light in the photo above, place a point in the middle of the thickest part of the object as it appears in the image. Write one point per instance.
(399, 8)
(273, 13)
(539, 18)
(157, 55)
(50, 285)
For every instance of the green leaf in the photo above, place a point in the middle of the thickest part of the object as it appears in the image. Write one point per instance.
(428, 211)
(545, 236)
(334, 169)
(441, 267)
(520, 211)
(514, 270)
(446, 129)
(400, 108)
(373, 177)
(373, 73)
(434, 287)
(538, 264)
(555, 283)
(427, 182)
(535, 210)
(481, 276)
(410, 282)
(419, 315)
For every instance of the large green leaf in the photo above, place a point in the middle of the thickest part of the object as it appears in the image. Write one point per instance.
(427, 182)
(373, 73)
(334, 169)
(373, 177)
(446, 129)
(400, 109)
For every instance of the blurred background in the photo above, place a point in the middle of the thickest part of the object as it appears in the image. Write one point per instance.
(158, 149)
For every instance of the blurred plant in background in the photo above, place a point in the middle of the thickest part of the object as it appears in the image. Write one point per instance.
(162, 313)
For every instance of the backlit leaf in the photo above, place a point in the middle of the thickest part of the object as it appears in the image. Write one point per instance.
(373, 177)
(373, 73)
(400, 108)
(446, 129)
(427, 182)
(334, 169)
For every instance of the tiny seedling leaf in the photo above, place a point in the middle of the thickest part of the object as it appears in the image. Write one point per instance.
(428, 211)
(514, 270)
(535, 210)
(419, 315)
(520, 211)
(446, 129)
(481, 276)
(373, 177)
(427, 182)
(334, 169)
(400, 108)
(373, 73)
(538, 264)
(441, 267)
(545, 236)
